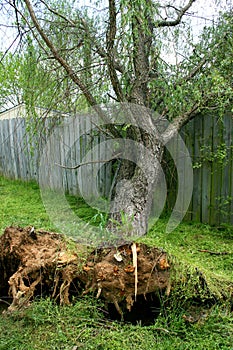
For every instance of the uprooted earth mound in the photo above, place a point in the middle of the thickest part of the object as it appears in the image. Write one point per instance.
(37, 262)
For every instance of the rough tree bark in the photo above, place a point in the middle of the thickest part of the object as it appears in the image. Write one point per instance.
(134, 189)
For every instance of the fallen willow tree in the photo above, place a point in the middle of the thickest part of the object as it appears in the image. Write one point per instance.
(37, 262)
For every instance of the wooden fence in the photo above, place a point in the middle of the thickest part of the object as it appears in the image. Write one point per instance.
(21, 156)
(209, 140)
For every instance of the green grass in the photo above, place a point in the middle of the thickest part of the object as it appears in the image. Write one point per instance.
(185, 244)
(21, 205)
(81, 326)
(45, 325)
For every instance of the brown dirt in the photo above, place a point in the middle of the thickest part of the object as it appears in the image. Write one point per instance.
(43, 263)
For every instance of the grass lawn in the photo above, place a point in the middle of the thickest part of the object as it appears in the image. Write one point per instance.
(83, 325)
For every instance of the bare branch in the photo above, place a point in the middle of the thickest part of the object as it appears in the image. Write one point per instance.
(142, 40)
(58, 14)
(103, 131)
(29, 26)
(71, 73)
(213, 253)
(178, 122)
(190, 75)
(8, 49)
(99, 49)
(103, 54)
(17, 19)
(110, 39)
(199, 66)
(111, 32)
(183, 119)
(86, 163)
(56, 55)
(177, 21)
(195, 70)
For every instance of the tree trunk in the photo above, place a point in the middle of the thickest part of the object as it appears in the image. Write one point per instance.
(136, 181)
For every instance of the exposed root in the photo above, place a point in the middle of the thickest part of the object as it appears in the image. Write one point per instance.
(43, 263)
(135, 265)
(99, 292)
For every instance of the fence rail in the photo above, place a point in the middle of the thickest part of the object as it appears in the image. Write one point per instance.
(209, 140)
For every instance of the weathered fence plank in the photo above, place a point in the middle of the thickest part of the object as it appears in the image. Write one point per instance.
(197, 186)
(216, 174)
(188, 137)
(226, 191)
(206, 169)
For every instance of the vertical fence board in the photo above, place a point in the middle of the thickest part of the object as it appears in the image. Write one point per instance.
(81, 155)
(77, 154)
(226, 179)
(66, 137)
(13, 150)
(89, 153)
(6, 138)
(188, 137)
(206, 169)
(2, 149)
(19, 144)
(196, 201)
(16, 147)
(216, 173)
(73, 127)
(231, 170)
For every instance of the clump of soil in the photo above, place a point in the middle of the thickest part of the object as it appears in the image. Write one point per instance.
(36, 262)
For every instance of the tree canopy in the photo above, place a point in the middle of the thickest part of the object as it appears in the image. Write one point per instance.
(117, 51)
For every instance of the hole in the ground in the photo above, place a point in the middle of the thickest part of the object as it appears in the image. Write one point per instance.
(4, 303)
(144, 311)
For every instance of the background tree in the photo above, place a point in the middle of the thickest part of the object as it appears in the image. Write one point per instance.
(117, 55)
